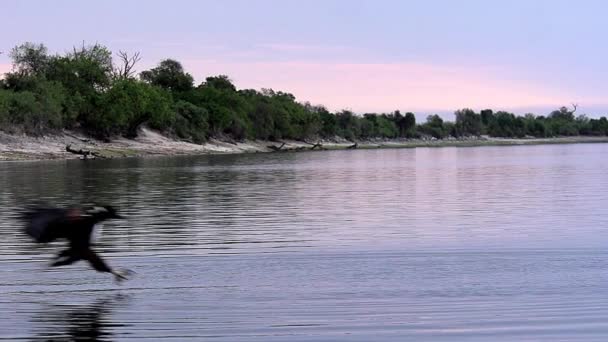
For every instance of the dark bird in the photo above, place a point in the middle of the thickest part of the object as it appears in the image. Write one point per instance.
(76, 225)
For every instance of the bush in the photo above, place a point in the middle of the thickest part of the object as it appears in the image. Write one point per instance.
(130, 103)
(5, 96)
(35, 111)
(190, 122)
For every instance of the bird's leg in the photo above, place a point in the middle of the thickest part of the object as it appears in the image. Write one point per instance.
(97, 262)
(64, 253)
(63, 258)
(121, 274)
(65, 261)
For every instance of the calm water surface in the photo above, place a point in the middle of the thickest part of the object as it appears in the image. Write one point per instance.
(445, 244)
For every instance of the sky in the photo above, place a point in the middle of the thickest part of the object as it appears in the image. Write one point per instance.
(427, 56)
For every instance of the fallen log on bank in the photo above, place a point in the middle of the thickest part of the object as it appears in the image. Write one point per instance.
(315, 145)
(282, 148)
(85, 154)
(276, 149)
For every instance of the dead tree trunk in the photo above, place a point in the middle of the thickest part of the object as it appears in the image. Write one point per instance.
(85, 154)
(276, 149)
(315, 145)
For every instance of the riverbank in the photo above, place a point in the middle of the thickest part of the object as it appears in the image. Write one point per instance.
(151, 143)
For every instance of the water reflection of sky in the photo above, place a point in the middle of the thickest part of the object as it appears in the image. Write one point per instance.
(446, 197)
(378, 244)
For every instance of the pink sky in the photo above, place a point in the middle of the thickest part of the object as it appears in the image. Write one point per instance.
(385, 87)
(378, 87)
(424, 56)
(4, 68)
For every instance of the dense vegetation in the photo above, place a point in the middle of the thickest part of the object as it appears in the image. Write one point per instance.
(86, 89)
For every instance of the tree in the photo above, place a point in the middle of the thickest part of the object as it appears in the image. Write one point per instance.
(467, 122)
(487, 116)
(598, 126)
(130, 103)
(506, 124)
(85, 73)
(29, 58)
(221, 82)
(170, 75)
(190, 122)
(348, 125)
(127, 63)
(535, 126)
(409, 124)
(30, 62)
(434, 127)
(228, 110)
(262, 118)
(329, 123)
(563, 122)
(86, 88)
(564, 113)
(384, 126)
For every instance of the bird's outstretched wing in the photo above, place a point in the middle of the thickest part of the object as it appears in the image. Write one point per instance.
(44, 224)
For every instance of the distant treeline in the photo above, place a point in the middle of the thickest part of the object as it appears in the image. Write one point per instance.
(89, 90)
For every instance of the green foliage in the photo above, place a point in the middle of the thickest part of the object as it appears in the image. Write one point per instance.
(507, 125)
(262, 119)
(130, 103)
(487, 116)
(170, 75)
(598, 126)
(80, 89)
(435, 127)
(467, 122)
(190, 122)
(348, 125)
(36, 110)
(409, 125)
(5, 96)
(562, 122)
(329, 123)
(406, 125)
(29, 58)
(386, 128)
(562, 114)
(227, 110)
(221, 82)
(535, 126)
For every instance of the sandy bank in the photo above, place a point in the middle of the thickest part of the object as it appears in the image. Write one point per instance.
(148, 143)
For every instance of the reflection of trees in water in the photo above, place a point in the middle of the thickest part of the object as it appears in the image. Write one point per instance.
(168, 201)
(78, 323)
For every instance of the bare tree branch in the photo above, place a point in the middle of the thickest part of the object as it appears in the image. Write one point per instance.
(127, 64)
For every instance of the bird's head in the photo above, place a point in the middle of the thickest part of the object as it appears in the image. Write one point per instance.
(103, 212)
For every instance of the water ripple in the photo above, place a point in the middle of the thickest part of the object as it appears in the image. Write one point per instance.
(491, 243)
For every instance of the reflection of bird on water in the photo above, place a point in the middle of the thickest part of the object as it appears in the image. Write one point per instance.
(75, 225)
(90, 322)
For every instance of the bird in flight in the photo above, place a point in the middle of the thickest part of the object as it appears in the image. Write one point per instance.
(76, 225)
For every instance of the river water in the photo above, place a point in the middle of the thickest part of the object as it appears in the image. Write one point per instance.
(437, 244)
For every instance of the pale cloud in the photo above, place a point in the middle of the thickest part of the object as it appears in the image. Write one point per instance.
(384, 87)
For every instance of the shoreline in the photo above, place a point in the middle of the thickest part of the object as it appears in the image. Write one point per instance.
(151, 143)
